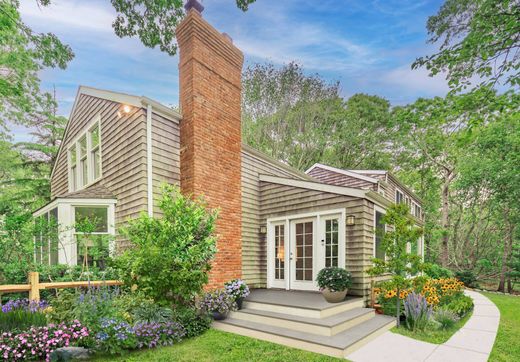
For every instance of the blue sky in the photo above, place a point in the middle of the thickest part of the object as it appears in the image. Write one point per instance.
(368, 46)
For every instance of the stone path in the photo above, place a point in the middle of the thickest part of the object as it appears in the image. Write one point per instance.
(473, 342)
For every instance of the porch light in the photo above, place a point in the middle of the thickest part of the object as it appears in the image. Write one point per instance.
(351, 220)
(263, 229)
(125, 109)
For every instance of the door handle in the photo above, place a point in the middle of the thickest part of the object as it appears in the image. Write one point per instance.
(322, 241)
(291, 256)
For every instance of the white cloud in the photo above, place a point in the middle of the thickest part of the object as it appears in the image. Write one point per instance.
(416, 80)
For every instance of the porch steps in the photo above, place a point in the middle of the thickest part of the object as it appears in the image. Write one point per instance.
(305, 320)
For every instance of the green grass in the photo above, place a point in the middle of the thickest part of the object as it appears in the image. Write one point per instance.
(217, 346)
(507, 346)
(436, 336)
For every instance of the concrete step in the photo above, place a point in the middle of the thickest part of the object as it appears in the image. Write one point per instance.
(338, 345)
(328, 326)
(309, 309)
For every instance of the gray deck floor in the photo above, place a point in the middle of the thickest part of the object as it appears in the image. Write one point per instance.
(293, 298)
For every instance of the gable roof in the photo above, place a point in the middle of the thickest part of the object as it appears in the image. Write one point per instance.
(350, 173)
(118, 97)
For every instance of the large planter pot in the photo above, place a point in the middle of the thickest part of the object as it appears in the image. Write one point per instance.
(218, 316)
(239, 302)
(334, 297)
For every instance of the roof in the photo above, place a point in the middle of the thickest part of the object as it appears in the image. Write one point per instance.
(96, 191)
(118, 97)
(350, 173)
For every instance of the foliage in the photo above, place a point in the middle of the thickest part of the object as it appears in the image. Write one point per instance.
(218, 301)
(467, 277)
(398, 262)
(333, 278)
(460, 305)
(153, 21)
(151, 335)
(417, 311)
(169, 258)
(39, 342)
(194, 321)
(237, 288)
(435, 271)
(446, 318)
(114, 336)
(21, 314)
(152, 313)
(506, 347)
(477, 38)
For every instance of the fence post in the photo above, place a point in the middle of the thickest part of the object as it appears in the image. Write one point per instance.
(34, 282)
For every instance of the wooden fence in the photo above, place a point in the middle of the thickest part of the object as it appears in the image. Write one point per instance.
(34, 286)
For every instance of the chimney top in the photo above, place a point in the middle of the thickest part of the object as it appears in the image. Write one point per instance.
(194, 4)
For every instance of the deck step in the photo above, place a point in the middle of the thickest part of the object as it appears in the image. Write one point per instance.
(305, 309)
(328, 326)
(339, 345)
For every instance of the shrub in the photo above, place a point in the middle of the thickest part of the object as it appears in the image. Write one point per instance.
(237, 288)
(218, 301)
(417, 311)
(333, 278)
(61, 307)
(194, 321)
(150, 335)
(445, 318)
(460, 305)
(151, 312)
(115, 336)
(21, 314)
(170, 256)
(436, 271)
(467, 277)
(39, 342)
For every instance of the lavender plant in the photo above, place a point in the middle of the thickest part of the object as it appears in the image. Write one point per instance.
(417, 311)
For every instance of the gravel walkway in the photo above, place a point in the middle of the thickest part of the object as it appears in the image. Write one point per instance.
(473, 342)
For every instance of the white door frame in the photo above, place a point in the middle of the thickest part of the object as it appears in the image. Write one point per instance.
(318, 250)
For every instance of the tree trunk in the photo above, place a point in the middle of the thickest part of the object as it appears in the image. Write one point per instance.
(398, 309)
(445, 220)
(508, 247)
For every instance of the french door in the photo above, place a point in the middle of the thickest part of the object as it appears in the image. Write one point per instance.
(299, 247)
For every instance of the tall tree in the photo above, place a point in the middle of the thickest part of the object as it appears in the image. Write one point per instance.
(478, 39)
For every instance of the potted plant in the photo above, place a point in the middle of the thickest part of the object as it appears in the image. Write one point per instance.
(334, 283)
(238, 290)
(218, 303)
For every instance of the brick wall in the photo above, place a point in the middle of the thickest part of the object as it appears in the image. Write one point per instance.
(210, 69)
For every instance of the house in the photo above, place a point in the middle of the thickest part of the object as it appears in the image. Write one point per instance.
(277, 226)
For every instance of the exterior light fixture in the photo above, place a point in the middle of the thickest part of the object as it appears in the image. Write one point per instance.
(263, 229)
(351, 220)
(127, 108)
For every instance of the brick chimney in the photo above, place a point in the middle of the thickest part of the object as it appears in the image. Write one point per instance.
(210, 70)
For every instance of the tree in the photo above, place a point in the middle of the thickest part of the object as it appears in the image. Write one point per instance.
(398, 261)
(478, 38)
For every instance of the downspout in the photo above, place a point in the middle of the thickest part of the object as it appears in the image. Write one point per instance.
(149, 166)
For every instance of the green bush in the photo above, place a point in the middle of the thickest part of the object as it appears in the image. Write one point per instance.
(333, 278)
(194, 321)
(169, 258)
(467, 277)
(445, 318)
(461, 305)
(436, 271)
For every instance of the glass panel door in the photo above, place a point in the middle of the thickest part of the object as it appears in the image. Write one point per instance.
(303, 245)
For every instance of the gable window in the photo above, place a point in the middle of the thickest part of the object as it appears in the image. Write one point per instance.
(399, 197)
(85, 158)
(379, 251)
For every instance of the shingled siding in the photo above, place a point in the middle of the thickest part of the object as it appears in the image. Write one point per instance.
(280, 200)
(123, 152)
(165, 155)
(253, 243)
(339, 179)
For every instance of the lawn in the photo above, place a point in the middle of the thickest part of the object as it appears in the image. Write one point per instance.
(507, 346)
(224, 347)
(432, 335)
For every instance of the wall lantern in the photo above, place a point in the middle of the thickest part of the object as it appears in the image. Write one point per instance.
(263, 229)
(351, 220)
(124, 109)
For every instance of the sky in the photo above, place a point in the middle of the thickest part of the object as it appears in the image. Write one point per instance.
(368, 46)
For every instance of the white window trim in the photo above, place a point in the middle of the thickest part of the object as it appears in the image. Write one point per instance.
(382, 211)
(397, 190)
(74, 147)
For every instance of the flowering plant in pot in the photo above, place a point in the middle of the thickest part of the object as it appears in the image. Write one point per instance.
(218, 303)
(334, 283)
(238, 290)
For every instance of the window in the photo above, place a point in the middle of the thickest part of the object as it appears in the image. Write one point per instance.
(46, 238)
(416, 211)
(279, 252)
(331, 242)
(85, 159)
(399, 197)
(92, 238)
(379, 231)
